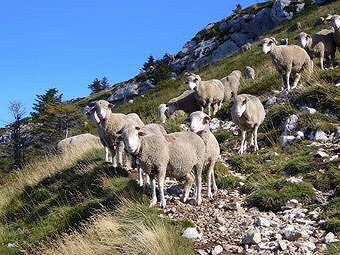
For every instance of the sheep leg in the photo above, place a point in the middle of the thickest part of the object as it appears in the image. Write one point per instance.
(282, 82)
(140, 176)
(198, 179)
(255, 137)
(161, 180)
(296, 80)
(210, 177)
(287, 79)
(243, 138)
(214, 186)
(209, 109)
(106, 154)
(252, 139)
(153, 190)
(189, 179)
(332, 62)
(120, 151)
(220, 105)
(114, 158)
(321, 62)
(215, 107)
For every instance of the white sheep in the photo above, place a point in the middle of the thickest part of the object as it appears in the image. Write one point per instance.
(208, 93)
(175, 155)
(77, 141)
(199, 123)
(111, 124)
(248, 113)
(92, 116)
(249, 72)
(320, 45)
(231, 84)
(289, 60)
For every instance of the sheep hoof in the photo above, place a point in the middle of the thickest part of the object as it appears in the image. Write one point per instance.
(162, 204)
(153, 203)
(210, 195)
(199, 202)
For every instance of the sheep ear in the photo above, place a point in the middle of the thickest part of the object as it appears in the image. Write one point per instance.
(206, 119)
(141, 133)
(246, 99)
(119, 138)
(273, 39)
(111, 105)
(233, 95)
(329, 17)
(119, 132)
(92, 110)
(137, 128)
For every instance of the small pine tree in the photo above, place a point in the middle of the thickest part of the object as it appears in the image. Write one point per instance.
(95, 86)
(149, 63)
(104, 83)
(237, 9)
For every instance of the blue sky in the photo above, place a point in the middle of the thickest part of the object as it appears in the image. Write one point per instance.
(68, 43)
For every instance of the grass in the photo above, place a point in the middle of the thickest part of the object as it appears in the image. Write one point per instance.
(273, 195)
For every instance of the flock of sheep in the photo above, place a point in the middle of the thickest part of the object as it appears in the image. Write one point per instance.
(184, 155)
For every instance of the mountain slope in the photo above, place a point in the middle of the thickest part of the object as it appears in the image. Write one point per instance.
(56, 201)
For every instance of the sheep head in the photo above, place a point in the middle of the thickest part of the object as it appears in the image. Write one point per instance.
(303, 39)
(130, 135)
(268, 44)
(103, 108)
(198, 121)
(240, 104)
(334, 20)
(192, 80)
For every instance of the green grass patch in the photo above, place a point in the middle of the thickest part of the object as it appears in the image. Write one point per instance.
(272, 196)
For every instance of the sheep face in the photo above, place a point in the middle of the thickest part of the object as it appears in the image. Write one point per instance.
(303, 39)
(240, 105)
(237, 73)
(131, 138)
(102, 107)
(335, 21)
(198, 121)
(192, 80)
(267, 45)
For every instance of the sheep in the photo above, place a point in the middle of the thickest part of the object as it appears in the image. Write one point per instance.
(111, 124)
(248, 113)
(320, 45)
(231, 84)
(161, 112)
(249, 72)
(288, 60)
(77, 141)
(92, 116)
(245, 47)
(199, 124)
(319, 21)
(154, 129)
(335, 23)
(174, 155)
(186, 102)
(208, 93)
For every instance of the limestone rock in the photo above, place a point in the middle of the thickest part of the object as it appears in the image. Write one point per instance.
(252, 237)
(192, 234)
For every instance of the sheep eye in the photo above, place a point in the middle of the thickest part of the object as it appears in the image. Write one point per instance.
(186, 82)
(244, 102)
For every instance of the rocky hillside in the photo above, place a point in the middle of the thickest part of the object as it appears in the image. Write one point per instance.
(283, 199)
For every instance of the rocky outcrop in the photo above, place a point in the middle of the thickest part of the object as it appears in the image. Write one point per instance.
(225, 37)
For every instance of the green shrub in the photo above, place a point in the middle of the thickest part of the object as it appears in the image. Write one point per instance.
(273, 196)
(228, 182)
(297, 166)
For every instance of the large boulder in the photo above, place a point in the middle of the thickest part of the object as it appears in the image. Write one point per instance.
(284, 10)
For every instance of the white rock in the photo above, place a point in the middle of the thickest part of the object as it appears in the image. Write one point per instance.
(300, 135)
(308, 109)
(320, 136)
(291, 123)
(293, 203)
(321, 154)
(214, 123)
(309, 246)
(228, 125)
(11, 245)
(192, 234)
(291, 234)
(130, 101)
(282, 245)
(217, 250)
(263, 222)
(330, 238)
(271, 101)
(294, 180)
(252, 237)
(286, 140)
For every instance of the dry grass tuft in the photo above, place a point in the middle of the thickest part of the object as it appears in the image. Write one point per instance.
(98, 237)
(41, 168)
